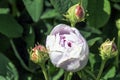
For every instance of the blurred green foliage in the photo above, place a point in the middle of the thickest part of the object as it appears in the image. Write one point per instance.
(23, 23)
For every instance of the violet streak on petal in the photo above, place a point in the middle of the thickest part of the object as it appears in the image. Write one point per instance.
(67, 48)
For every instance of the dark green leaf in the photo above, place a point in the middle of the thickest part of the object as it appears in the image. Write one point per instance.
(9, 27)
(84, 3)
(49, 28)
(63, 5)
(95, 30)
(7, 69)
(30, 37)
(116, 0)
(3, 4)
(99, 12)
(49, 14)
(110, 73)
(4, 43)
(34, 8)
(93, 40)
(86, 34)
(92, 60)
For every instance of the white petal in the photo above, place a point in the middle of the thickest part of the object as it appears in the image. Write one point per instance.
(76, 31)
(61, 28)
(70, 65)
(57, 46)
(50, 42)
(85, 51)
(75, 53)
(55, 57)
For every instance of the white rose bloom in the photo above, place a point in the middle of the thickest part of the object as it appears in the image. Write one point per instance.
(67, 48)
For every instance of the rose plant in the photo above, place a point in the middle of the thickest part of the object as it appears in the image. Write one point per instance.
(62, 51)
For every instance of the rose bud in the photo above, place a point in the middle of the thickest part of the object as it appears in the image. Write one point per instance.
(39, 54)
(75, 14)
(108, 50)
(79, 12)
(67, 48)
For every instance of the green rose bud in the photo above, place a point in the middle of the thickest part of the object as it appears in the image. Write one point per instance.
(108, 50)
(39, 54)
(75, 14)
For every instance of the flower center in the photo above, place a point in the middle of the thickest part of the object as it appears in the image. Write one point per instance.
(64, 42)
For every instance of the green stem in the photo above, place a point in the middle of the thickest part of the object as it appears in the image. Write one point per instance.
(68, 75)
(80, 1)
(72, 24)
(101, 69)
(44, 71)
(118, 46)
(90, 73)
(13, 6)
(18, 56)
(82, 75)
(79, 74)
(118, 43)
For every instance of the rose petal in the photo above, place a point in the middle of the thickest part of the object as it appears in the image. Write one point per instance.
(61, 29)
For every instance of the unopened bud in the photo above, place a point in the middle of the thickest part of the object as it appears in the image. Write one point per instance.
(75, 14)
(108, 49)
(79, 12)
(39, 54)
